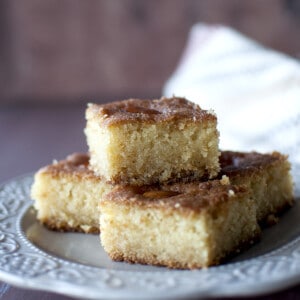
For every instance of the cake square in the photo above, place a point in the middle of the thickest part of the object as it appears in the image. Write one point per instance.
(186, 226)
(267, 175)
(67, 194)
(142, 142)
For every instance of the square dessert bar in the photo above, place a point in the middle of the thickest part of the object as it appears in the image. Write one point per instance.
(268, 176)
(67, 195)
(192, 225)
(142, 142)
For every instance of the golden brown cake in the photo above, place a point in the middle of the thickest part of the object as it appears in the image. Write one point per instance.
(179, 226)
(267, 175)
(67, 194)
(141, 142)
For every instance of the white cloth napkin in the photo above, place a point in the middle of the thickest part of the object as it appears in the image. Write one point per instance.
(254, 91)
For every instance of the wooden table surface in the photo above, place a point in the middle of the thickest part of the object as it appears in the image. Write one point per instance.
(32, 136)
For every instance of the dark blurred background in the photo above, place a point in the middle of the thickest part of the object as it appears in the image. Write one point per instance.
(57, 55)
(74, 51)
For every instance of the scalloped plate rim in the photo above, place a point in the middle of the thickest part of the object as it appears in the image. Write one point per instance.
(57, 285)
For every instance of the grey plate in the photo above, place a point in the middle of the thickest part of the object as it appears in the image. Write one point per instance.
(76, 265)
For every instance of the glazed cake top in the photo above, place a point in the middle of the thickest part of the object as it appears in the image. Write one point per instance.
(245, 163)
(149, 111)
(183, 197)
(76, 164)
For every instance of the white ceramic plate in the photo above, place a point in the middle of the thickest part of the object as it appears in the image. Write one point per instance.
(76, 265)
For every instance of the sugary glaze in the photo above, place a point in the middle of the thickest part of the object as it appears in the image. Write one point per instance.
(184, 197)
(246, 163)
(149, 111)
(76, 164)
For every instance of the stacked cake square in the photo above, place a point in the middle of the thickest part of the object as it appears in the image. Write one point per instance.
(160, 188)
(152, 141)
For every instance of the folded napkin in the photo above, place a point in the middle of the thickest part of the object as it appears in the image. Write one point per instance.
(254, 91)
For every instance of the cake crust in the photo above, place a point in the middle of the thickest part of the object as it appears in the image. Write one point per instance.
(248, 163)
(184, 198)
(63, 226)
(148, 111)
(76, 165)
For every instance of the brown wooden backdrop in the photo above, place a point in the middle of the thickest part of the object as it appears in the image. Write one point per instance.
(73, 50)
(54, 53)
